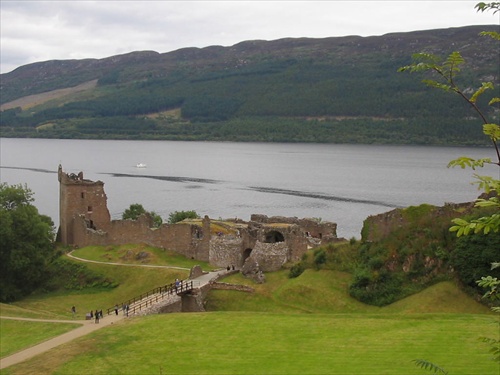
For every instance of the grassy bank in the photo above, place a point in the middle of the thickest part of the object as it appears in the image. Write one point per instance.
(269, 343)
(305, 325)
(130, 282)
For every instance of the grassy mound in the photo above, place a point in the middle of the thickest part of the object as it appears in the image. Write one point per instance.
(327, 291)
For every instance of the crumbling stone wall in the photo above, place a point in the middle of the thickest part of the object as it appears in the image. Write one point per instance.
(292, 234)
(311, 227)
(378, 227)
(85, 220)
(226, 251)
(78, 196)
(270, 256)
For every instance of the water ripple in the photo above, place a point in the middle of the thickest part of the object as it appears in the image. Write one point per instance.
(320, 196)
(31, 169)
(166, 178)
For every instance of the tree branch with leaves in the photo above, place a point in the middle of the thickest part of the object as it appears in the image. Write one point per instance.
(446, 73)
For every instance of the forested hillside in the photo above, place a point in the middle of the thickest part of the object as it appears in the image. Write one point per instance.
(338, 90)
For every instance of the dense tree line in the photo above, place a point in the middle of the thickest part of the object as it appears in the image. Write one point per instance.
(432, 131)
(362, 102)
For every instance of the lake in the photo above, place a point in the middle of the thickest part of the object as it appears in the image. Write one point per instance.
(339, 183)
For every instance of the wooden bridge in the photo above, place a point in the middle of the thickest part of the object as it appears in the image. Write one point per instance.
(154, 296)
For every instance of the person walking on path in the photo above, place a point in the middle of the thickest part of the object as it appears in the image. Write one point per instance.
(116, 309)
(96, 317)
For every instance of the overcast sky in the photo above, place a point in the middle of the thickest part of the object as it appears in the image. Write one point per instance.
(37, 30)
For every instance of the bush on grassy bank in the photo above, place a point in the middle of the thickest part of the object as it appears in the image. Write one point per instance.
(68, 275)
(407, 256)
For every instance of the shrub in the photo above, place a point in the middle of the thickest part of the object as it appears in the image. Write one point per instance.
(178, 216)
(377, 288)
(319, 258)
(157, 220)
(472, 258)
(64, 274)
(135, 210)
(296, 270)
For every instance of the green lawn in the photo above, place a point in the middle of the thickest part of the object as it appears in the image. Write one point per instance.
(137, 254)
(19, 334)
(306, 325)
(270, 343)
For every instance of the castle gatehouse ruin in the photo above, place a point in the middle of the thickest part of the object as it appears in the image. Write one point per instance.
(268, 242)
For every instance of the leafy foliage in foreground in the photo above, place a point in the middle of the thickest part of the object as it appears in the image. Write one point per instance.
(26, 243)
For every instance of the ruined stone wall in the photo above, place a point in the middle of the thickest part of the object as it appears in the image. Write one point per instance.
(296, 242)
(377, 227)
(85, 220)
(292, 234)
(178, 238)
(319, 229)
(187, 240)
(270, 256)
(78, 196)
(226, 251)
(84, 236)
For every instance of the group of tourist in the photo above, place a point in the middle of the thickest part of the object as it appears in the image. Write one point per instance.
(97, 314)
(89, 316)
(125, 308)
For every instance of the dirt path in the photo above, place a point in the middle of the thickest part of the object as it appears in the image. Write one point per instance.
(87, 326)
(124, 264)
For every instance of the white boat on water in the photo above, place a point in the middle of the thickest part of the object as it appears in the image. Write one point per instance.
(141, 165)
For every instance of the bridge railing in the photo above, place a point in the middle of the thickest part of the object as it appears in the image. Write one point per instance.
(152, 296)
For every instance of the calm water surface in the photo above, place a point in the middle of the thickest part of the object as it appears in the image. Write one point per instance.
(339, 183)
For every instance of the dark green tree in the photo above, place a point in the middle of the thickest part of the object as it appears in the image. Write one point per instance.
(135, 210)
(26, 243)
(177, 216)
(157, 220)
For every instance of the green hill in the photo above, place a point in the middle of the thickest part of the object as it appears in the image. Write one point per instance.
(338, 90)
(306, 325)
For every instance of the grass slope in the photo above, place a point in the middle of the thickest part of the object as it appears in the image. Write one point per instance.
(306, 325)
(268, 343)
(137, 254)
(326, 291)
(132, 282)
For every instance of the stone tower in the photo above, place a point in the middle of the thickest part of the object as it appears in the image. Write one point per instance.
(80, 197)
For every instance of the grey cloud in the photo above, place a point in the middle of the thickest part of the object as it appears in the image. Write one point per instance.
(43, 30)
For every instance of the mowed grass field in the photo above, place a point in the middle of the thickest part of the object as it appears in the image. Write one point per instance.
(27, 332)
(307, 325)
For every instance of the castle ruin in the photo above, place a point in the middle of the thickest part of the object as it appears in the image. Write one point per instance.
(269, 242)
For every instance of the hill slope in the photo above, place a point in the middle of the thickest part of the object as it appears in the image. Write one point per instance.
(342, 89)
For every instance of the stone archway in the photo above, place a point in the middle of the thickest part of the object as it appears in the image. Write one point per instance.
(274, 236)
(245, 255)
